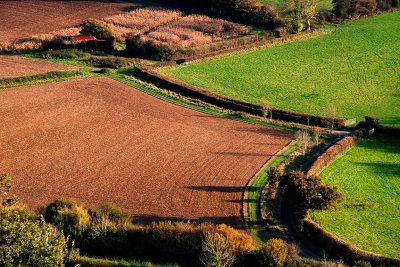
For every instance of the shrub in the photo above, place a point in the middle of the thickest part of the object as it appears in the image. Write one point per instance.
(269, 14)
(303, 141)
(25, 239)
(308, 193)
(239, 242)
(70, 217)
(274, 175)
(100, 30)
(136, 46)
(110, 62)
(66, 54)
(97, 28)
(216, 250)
(363, 7)
(30, 242)
(274, 253)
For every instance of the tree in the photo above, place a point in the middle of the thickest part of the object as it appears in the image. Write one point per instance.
(308, 192)
(216, 250)
(299, 11)
(266, 107)
(25, 239)
(303, 140)
(330, 113)
(274, 253)
(100, 30)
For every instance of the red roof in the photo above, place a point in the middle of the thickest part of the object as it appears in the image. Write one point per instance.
(82, 38)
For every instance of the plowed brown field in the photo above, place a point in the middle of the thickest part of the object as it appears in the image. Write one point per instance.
(98, 140)
(24, 18)
(13, 66)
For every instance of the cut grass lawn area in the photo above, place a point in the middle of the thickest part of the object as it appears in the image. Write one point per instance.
(356, 67)
(369, 177)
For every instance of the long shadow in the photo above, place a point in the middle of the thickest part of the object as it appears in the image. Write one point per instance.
(242, 154)
(381, 167)
(147, 219)
(224, 189)
(380, 142)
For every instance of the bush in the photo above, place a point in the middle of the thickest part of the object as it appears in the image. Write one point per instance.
(274, 175)
(137, 47)
(274, 253)
(25, 239)
(308, 193)
(110, 62)
(268, 14)
(239, 242)
(70, 217)
(216, 251)
(100, 30)
(66, 54)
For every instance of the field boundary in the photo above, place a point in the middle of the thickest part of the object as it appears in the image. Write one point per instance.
(245, 197)
(312, 231)
(148, 74)
(48, 77)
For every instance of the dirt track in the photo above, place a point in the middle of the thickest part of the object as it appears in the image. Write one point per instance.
(13, 66)
(97, 140)
(24, 18)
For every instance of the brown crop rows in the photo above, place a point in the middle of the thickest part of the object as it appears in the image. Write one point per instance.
(97, 140)
(13, 66)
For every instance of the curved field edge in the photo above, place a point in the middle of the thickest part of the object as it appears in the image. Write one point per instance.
(369, 177)
(253, 195)
(355, 67)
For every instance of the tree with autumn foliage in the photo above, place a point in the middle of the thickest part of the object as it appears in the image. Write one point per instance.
(304, 192)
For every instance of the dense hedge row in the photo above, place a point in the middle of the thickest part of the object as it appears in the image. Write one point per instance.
(340, 249)
(191, 91)
(331, 153)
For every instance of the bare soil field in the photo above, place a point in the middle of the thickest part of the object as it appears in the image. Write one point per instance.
(24, 18)
(97, 140)
(13, 66)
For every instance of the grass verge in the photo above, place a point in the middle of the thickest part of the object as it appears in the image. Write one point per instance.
(258, 229)
(97, 262)
(53, 76)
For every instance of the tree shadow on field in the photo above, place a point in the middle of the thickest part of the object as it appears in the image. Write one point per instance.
(224, 189)
(383, 143)
(241, 154)
(147, 219)
(390, 170)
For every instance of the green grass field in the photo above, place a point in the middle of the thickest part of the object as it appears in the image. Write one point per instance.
(356, 67)
(369, 177)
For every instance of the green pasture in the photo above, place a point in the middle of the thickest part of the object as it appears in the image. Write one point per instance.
(354, 67)
(369, 177)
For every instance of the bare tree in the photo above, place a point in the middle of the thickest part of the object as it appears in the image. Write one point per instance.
(266, 107)
(331, 113)
(303, 140)
(216, 251)
(317, 135)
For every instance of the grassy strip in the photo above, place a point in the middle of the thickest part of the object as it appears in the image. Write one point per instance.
(97, 262)
(258, 231)
(53, 76)
(175, 99)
